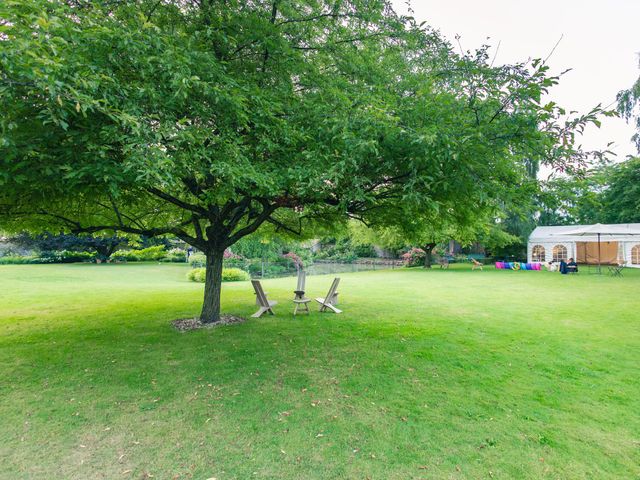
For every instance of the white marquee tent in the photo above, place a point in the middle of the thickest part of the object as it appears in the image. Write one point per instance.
(564, 242)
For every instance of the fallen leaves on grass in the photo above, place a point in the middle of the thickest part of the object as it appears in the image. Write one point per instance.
(188, 324)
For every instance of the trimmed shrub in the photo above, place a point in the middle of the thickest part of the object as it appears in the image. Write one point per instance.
(228, 275)
(150, 254)
(197, 275)
(234, 275)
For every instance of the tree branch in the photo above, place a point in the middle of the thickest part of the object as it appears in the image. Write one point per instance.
(253, 226)
(177, 202)
(279, 225)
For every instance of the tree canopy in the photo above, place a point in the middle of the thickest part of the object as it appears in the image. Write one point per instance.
(629, 107)
(609, 193)
(206, 120)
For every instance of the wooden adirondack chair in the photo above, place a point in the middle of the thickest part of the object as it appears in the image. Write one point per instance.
(327, 303)
(299, 298)
(476, 264)
(265, 304)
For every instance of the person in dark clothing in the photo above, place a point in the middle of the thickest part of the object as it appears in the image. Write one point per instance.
(563, 267)
(572, 266)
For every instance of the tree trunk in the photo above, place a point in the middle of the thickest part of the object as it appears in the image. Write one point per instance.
(104, 251)
(101, 253)
(428, 258)
(212, 288)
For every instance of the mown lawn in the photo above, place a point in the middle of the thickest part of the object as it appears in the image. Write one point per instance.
(427, 374)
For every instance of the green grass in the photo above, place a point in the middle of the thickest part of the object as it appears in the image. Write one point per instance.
(427, 374)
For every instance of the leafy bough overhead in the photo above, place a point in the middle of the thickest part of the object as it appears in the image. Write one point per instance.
(206, 120)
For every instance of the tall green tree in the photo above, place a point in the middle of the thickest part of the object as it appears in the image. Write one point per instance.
(621, 199)
(573, 199)
(609, 193)
(417, 230)
(207, 119)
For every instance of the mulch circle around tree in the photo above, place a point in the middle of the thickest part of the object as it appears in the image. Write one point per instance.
(187, 324)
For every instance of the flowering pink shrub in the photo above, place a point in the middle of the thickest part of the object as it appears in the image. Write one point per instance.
(229, 255)
(297, 261)
(414, 257)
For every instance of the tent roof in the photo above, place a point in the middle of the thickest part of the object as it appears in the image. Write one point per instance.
(555, 233)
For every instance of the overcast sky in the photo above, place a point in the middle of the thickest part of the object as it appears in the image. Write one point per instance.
(600, 42)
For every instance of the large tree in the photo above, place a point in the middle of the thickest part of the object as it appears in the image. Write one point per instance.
(609, 193)
(572, 199)
(205, 119)
(418, 229)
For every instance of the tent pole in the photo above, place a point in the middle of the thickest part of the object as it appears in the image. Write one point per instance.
(599, 268)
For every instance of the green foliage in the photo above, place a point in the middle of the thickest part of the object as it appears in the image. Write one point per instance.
(156, 253)
(197, 274)
(21, 259)
(228, 275)
(270, 247)
(629, 107)
(58, 256)
(257, 268)
(206, 120)
(338, 250)
(198, 260)
(258, 246)
(388, 238)
(133, 95)
(573, 199)
(621, 200)
(66, 256)
(175, 255)
(149, 254)
(234, 275)
(605, 194)
(101, 245)
(499, 242)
